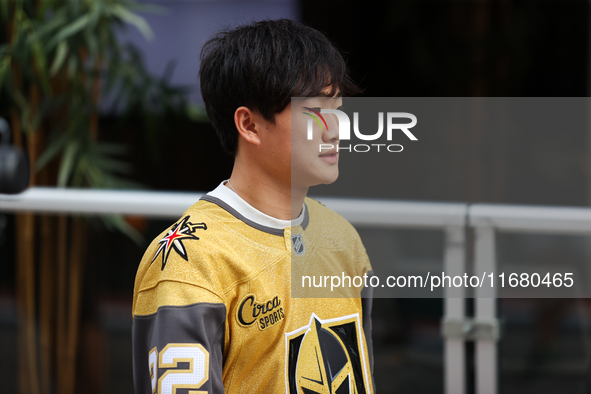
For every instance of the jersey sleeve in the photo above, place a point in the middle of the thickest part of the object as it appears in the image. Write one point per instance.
(180, 320)
(366, 308)
(362, 257)
(178, 335)
(367, 303)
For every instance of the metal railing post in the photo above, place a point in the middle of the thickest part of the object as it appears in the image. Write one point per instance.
(486, 311)
(454, 263)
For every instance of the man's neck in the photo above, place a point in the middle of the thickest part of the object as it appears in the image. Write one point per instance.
(273, 198)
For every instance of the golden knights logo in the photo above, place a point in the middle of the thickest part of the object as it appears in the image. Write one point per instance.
(180, 232)
(327, 357)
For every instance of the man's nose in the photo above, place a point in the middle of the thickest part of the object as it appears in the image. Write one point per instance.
(331, 133)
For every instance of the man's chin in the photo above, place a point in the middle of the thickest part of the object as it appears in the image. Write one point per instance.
(331, 178)
(317, 179)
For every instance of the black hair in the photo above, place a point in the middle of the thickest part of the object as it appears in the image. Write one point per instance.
(263, 65)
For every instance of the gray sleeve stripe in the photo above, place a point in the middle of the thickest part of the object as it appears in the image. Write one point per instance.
(176, 307)
(202, 323)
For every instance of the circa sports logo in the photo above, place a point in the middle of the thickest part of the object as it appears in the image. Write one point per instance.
(180, 232)
(327, 356)
(265, 314)
(345, 130)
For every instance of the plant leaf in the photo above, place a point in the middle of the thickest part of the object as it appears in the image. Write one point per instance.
(51, 151)
(69, 30)
(67, 163)
(60, 56)
(136, 20)
(4, 70)
(118, 222)
(57, 19)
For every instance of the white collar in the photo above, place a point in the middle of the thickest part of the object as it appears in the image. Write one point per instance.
(249, 214)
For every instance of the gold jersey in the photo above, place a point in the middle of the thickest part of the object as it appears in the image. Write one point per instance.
(214, 313)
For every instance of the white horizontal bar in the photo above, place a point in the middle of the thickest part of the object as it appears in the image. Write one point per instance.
(389, 213)
(528, 218)
(173, 204)
(97, 201)
(546, 219)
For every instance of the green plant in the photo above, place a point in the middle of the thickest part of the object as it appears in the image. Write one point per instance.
(59, 61)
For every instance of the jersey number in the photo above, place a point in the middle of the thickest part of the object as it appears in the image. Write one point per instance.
(174, 353)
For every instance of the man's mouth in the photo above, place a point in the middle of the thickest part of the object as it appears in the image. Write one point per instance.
(329, 153)
(330, 157)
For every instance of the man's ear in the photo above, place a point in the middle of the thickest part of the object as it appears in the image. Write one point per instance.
(246, 124)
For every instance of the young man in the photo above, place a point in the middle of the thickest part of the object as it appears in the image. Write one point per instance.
(213, 307)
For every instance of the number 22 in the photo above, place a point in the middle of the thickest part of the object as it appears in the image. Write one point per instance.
(191, 378)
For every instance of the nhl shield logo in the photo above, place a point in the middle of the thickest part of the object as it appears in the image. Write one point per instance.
(298, 244)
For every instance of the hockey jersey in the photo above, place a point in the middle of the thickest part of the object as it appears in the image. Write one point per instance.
(213, 310)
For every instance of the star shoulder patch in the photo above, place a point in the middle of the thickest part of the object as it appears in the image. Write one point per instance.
(180, 232)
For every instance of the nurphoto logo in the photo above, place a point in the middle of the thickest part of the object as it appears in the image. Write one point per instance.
(345, 129)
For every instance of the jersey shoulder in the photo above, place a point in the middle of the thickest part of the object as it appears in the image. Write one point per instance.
(330, 230)
(326, 221)
(207, 250)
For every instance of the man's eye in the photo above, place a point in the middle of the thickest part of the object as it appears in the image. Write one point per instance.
(317, 109)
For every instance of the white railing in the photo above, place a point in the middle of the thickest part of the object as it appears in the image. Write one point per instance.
(451, 218)
(487, 220)
(97, 202)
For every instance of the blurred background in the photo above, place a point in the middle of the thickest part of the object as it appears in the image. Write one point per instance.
(104, 94)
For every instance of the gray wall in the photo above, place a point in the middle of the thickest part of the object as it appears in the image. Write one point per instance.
(186, 25)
